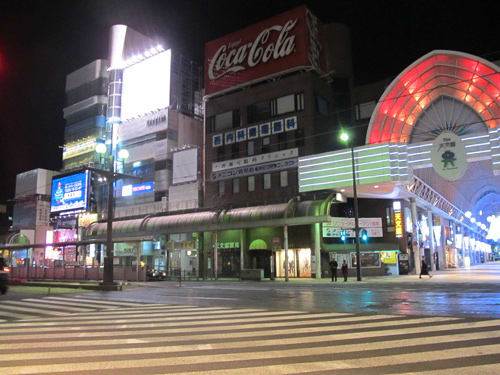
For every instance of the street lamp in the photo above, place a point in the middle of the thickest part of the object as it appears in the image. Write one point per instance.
(108, 261)
(344, 138)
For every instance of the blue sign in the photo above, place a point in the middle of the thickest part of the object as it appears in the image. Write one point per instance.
(277, 126)
(145, 187)
(69, 193)
(217, 140)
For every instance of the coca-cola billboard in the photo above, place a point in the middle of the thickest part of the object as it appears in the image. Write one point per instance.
(289, 41)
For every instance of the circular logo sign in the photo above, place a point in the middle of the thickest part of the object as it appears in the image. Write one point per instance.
(448, 156)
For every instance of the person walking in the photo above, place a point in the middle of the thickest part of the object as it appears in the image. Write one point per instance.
(344, 270)
(424, 269)
(333, 268)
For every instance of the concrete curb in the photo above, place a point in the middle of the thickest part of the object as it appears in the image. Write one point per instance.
(114, 287)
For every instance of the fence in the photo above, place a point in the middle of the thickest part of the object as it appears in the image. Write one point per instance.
(75, 273)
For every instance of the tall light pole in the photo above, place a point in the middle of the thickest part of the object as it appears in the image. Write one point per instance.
(344, 138)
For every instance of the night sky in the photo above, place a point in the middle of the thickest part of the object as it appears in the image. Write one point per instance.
(42, 41)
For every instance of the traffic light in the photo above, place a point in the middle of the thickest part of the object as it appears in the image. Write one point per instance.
(364, 235)
(343, 235)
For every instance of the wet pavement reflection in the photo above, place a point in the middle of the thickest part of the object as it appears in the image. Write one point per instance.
(473, 292)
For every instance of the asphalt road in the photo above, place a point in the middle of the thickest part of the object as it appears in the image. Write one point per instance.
(401, 325)
(473, 292)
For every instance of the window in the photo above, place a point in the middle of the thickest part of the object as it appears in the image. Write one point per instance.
(251, 148)
(220, 153)
(284, 178)
(161, 135)
(299, 138)
(264, 110)
(266, 145)
(251, 183)
(160, 164)
(236, 118)
(389, 216)
(235, 150)
(267, 181)
(172, 134)
(259, 112)
(321, 105)
(365, 110)
(222, 188)
(210, 124)
(285, 104)
(282, 141)
(299, 101)
(224, 121)
(236, 186)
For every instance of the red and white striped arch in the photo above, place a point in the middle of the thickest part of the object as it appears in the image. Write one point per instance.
(467, 78)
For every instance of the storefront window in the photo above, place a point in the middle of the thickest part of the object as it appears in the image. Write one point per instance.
(368, 260)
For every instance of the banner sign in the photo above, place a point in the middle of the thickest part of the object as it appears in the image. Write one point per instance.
(329, 231)
(448, 156)
(373, 226)
(255, 169)
(145, 187)
(348, 222)
(87, 218)
(286, 42)
(257, 159)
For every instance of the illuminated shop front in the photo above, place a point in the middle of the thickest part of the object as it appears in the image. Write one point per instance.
(182, 255)
(299, 263)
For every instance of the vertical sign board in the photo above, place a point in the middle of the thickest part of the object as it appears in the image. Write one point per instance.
(448, 156)
(398, 219)
(185, 165)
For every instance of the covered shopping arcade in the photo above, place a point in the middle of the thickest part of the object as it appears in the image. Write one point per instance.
(433, 143)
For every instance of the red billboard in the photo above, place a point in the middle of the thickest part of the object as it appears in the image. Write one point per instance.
(289, 41)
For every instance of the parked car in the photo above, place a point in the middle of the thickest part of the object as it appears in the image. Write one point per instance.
(155, 275)
(4, 276)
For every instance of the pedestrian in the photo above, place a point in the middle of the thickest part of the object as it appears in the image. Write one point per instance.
(424, 269)
(333, 267)
(344, 270)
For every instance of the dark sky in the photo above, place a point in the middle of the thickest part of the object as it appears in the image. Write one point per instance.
(42, 41)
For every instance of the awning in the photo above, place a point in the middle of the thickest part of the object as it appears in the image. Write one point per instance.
(258, 245)
(291, 213)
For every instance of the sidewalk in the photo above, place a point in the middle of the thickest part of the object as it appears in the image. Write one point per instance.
(487, 273)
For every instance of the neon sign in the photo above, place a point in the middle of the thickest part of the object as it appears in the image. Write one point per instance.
(398, 219)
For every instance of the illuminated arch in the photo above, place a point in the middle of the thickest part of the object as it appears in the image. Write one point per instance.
(466, 78)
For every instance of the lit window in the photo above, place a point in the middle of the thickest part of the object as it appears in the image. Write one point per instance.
(221, 188)
(251, 183)
(236, 186)
(267, 181)
(284, 178)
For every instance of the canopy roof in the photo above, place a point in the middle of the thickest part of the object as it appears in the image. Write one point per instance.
(292, 213)
(458, 75)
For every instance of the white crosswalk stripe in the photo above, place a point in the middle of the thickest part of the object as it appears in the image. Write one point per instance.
(155, 339)
(30, 308)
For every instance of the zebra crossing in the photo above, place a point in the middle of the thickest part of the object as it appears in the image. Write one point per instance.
(133, 338)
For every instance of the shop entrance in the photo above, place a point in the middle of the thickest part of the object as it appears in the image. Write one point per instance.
(262, 259)
(228, 263)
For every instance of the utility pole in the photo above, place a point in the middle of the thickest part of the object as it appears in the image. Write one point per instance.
(111, 178)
